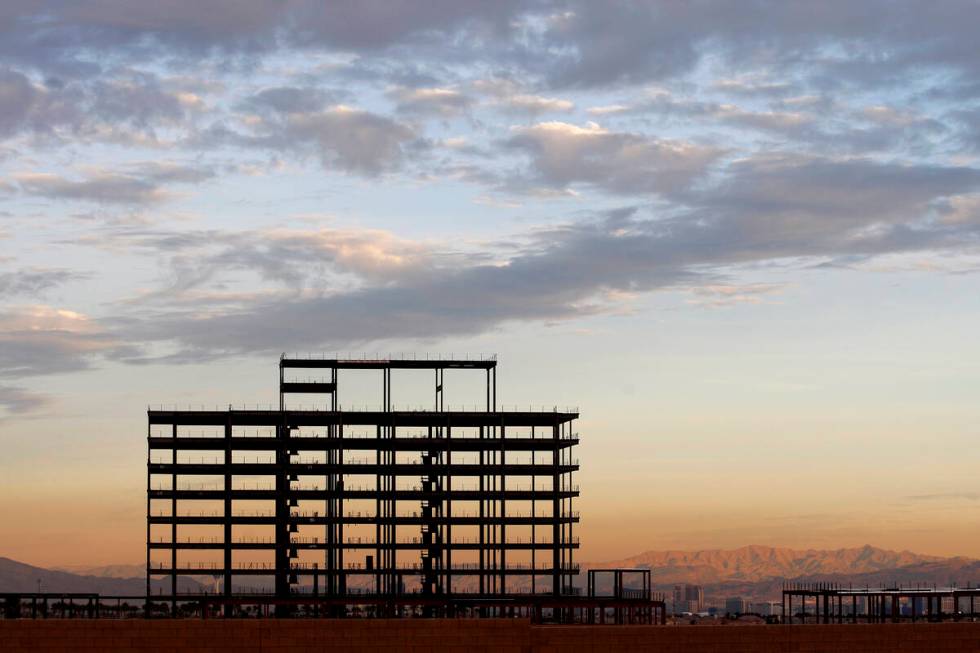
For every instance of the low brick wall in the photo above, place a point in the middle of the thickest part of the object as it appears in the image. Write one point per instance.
(467, 636)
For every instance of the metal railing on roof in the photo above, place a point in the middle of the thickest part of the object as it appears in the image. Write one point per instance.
(377, 357)
(365, 408)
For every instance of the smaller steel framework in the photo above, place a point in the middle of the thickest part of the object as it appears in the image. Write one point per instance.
(623, 585)
(833, 603)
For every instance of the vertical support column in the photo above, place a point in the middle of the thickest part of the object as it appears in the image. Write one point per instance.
(173, 521)
(428, 535)
(391, 530)
(534, 545)
(378, 511)
(282, 519)
(282, 378)
(340, 509)
(556, 516)
(486, 529)
(503, 509)
(227, 512)
(149, 486)
(618, 594)
(483, 523)
(571, 505)
(341, 580)
(433, 533)
(495, 388)
(329, 505)
(494, 526)
(448, 516)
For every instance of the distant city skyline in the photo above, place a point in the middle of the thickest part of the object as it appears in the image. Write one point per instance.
(743, 239)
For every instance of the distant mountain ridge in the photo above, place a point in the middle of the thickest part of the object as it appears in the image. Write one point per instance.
(753, 572)
(20, 577)
(755, 563)
(106, 571)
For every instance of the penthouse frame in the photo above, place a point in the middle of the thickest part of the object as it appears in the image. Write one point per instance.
(424, 447)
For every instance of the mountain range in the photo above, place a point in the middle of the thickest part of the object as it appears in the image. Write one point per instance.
(752, 572)
(20, 577)
(757, 563)
(757, 573)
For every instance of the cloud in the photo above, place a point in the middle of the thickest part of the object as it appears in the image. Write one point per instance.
(536, 104)
(563, 42)
(27, 106)
(753, 86)
(798, 204)
(140, 184)
(875, 42)
(509, 96)
(720, 295)
(289, 99)
(291, 257)
(104, 188)
(345, 138)
(130, 106)
(967, 496)
(442, 102)
(807, 169)
(341, 287)
(34, 281)
(665, 104)
(969, 122)
(564, 154)
(139, 99)
(18, 401)
(961, 210)
(69, 37)
(39, 339)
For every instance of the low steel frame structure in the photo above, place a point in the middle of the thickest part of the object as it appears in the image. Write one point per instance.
(626, 585)
(834, 603)
(404, 469)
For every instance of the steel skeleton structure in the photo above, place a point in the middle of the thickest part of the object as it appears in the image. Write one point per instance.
(430, 461)
(834, 603)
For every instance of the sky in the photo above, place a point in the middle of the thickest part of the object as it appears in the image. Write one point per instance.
(743, 238)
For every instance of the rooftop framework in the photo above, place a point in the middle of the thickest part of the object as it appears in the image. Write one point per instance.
(334, 503)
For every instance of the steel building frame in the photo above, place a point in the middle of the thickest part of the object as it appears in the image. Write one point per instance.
(834, 603)
(416, 458)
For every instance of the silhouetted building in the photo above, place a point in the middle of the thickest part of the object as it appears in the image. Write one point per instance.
(736, 605)
(333, 502)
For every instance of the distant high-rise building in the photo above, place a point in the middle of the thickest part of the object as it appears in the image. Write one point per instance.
(736, 605)
(766, 608)
(688, 598)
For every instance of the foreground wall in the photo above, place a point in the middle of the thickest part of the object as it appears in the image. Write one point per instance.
(468, 636)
